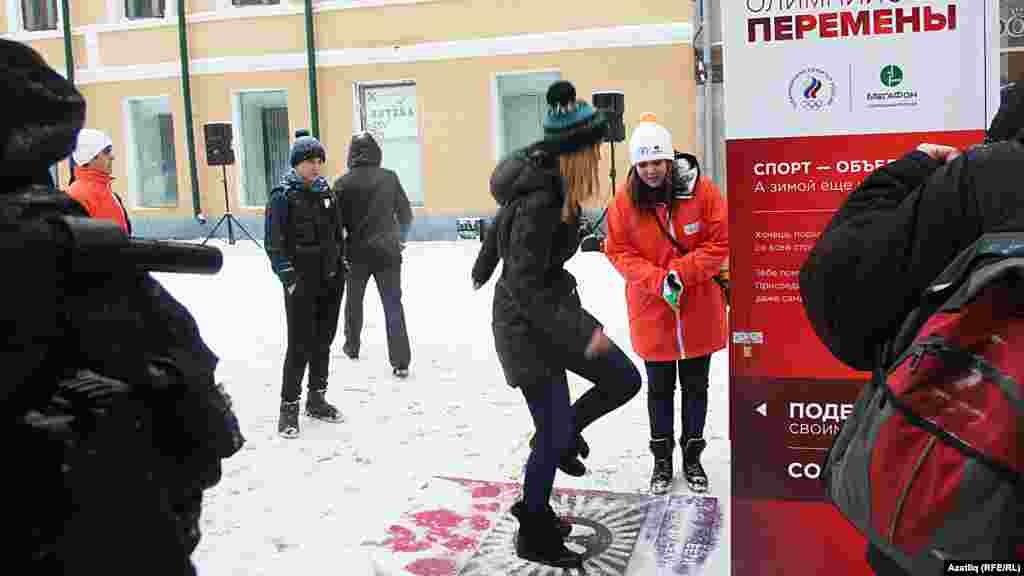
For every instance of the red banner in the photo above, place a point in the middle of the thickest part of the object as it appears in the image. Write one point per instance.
(789, 395)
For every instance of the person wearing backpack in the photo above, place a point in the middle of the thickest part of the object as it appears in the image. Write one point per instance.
(669, 242)
(894, 235)
(305, 244)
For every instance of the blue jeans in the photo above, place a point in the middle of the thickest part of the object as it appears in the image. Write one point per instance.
(661, 388)
(616, 381)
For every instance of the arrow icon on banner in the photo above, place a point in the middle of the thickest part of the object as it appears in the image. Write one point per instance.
(762, 409)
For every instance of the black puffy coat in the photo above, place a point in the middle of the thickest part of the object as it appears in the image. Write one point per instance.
(895, 233)
(114, 424)
(305, 235)
(538, 319)
(375, 207)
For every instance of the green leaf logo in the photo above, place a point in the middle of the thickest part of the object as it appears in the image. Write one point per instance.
(892, 76)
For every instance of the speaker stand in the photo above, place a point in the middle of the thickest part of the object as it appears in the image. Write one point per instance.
(228, 217)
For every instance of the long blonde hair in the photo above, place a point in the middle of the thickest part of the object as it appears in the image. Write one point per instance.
(579, 172)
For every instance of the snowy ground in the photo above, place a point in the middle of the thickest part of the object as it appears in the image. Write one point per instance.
(309, 506)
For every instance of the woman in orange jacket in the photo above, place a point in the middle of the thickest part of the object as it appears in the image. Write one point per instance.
(668, 237)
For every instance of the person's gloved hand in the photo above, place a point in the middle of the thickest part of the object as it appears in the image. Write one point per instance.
(672, 289)
(90, 391)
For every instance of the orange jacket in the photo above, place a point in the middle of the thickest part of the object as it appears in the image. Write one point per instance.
(93, 191)
(639, 250)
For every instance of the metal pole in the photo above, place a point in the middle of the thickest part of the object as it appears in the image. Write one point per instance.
(314, 106)
(709, 105)
(69, 63)
(186, 90)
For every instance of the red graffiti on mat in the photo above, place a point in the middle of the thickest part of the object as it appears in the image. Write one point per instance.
(432, 567)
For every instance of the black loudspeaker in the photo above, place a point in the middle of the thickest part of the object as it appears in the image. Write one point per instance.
(613, 104)
(218, 144)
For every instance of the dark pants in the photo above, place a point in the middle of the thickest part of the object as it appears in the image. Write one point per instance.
(661, 388)
(616, 381)
(389, 284)
(312, 313)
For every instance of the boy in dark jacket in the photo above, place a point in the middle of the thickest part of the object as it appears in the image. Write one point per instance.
(897, 231)
(306, 252)
(377, 217)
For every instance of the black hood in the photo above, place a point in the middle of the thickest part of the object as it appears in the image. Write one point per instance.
(522, 172)
(363, 151)
(50, 112)
(1009, 120)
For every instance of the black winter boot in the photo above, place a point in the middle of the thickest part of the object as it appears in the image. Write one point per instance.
(538, 540)
(570, 462)
(318, 407)
(661, 477)
(694, 472)
(564, 526)
(288, 422)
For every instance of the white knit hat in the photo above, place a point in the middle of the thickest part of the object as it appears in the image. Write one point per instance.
(90, 143)
(650, 141)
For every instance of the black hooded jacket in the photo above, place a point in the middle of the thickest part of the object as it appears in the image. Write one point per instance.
(113, 419)
(536, 298)
(898, 230)
(375, 208)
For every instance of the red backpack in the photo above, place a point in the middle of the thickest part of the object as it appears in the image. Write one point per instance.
(928, 466)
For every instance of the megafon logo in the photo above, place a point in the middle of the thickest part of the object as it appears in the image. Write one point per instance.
(891, 76)
(812, 89)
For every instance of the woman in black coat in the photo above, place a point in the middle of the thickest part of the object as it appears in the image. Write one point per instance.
(540, 328)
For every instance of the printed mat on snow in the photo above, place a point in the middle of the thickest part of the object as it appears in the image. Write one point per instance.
(471, 534)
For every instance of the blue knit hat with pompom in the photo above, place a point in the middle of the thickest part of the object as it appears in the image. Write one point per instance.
(306, 147)
(571, 124)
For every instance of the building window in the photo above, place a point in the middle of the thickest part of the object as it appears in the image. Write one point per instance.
(521, 108)
(138, 9)
(388, 111)
(262, 118)
(255, 2)
(152, 167)
(37, 15)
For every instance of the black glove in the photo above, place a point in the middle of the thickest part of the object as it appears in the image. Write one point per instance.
(87, 390)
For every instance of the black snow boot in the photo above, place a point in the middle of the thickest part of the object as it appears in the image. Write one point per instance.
(318, 407)
(538, 540)
(570, 461)
(696, 478)
(288, 423)
(564, 526)
(661, 477)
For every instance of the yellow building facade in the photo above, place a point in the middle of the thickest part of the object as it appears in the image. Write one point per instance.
(448, 86)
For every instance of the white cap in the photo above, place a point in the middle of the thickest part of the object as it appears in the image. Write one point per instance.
(650, 141)
(90, 143)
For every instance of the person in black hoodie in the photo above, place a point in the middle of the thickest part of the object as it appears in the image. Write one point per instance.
(540, 327)
(377, 219)
(307, 254)
(113, 420)
(898, 230)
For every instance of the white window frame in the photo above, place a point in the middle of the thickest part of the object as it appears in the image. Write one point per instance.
(132, 199)
(236, 138)
(116, 13)
(497, 122)
(16, 25)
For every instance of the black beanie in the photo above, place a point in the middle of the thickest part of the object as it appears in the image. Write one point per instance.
(50, 114)
(306, 147)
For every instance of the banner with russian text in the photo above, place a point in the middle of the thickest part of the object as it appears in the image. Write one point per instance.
(818, 93)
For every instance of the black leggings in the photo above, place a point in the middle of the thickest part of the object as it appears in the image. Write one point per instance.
(616, 381)
(661, 388)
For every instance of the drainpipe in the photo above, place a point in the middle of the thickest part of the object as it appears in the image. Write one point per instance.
(69, 62)
(314, 106)
(186, 90)
(709, 107)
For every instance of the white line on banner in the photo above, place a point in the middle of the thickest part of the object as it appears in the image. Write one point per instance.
(822, 211)
(824, 167)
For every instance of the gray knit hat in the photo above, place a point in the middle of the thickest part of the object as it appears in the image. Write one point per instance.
(306, 147)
